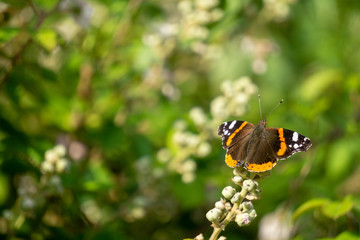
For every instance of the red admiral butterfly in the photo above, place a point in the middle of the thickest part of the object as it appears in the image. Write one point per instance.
(258, 148)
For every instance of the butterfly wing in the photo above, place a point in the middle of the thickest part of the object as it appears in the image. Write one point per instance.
(261, 156)
(234, 131)
(275, 144)
(235, 135)
(288, 142)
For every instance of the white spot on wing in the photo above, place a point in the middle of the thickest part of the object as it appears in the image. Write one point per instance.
(225, 123)
(295, 137)
(232, 124)
(296, 146)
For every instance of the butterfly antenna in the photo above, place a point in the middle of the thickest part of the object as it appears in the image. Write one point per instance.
(275, 107)
(260, 108)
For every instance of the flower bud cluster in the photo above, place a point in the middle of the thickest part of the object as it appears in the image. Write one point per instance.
(235, 205)
(234, 100)
(189, 22)
(186, 144)
(277, 10)
(245, 214)
(195, 15)
(251, 186)
(55, 161)
(218, 211)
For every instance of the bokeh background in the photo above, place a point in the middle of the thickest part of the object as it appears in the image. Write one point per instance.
(109, 112)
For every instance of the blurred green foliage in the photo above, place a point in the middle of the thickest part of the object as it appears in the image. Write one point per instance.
(109, 113)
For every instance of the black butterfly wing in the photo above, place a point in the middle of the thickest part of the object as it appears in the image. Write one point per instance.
(287, 142)
(260, 157)
(234, 131)
(235, 135)
(274, 144)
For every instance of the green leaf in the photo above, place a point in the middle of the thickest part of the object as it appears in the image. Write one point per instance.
(47, 39)
(319, 83)
(16, 4)
(343, 236)
(311, 204)
(98, 178)
(340, 158)
(7, 33)
(337, 209)
(348, 236)
(34, 155)
(46, 4)
(4, 188)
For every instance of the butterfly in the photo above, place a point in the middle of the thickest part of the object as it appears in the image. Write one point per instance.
(257, 147)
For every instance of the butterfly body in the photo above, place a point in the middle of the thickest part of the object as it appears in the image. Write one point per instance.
(257, 147)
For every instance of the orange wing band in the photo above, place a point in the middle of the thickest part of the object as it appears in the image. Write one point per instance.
(230, 161)
(235, 132)
(283, 147)
(253, 167)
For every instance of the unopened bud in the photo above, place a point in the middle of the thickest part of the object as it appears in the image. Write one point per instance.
(237, 180)
(220, 205)
(249, 185)
(246, 206)
(228, 206)
(236, 198)
(213, 214)
(228, 192)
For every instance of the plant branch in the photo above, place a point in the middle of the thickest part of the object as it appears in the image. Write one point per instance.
(229, 217)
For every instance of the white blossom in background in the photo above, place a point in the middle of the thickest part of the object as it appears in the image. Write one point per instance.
(55, 161)
(277, 10)
(187, 171)
(258, 49)
(198, 116)
(276, 226)
(189, 22)
(236, 95)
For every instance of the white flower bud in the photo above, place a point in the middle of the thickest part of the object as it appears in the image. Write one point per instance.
(61, 165)
(206, 4)
(213, 214)
(245, 218)
(246, 206)
(242, 219)
(51, 156)
(47, 166)
(252, 214)
(203, 149)
(237, 180)
(249, 185)
(59, 150)
(228, 206)
(220, 205)
(228, 192)
(235, 198)
(254, 195)
(237, 171)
